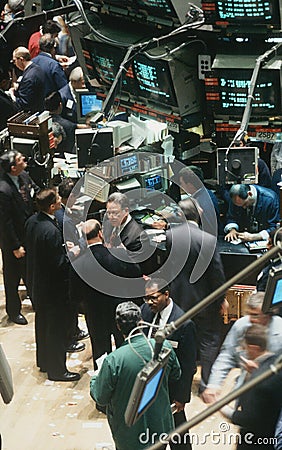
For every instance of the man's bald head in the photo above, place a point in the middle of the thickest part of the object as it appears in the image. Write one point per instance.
(92, 229)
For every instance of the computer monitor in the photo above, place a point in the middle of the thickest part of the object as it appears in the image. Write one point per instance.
(87, 102)
(128, 164)
(93, 146)
(266, 14)
(146, 387)
(227, 88)
(273, 290)
(154, 181)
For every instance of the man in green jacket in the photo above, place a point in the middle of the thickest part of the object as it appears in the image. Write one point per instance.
(113, 385)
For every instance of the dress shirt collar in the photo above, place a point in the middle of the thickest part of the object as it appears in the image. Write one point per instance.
(72, 92)
(15, 180)
(164, 316)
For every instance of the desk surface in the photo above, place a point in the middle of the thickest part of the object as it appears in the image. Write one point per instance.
(236, 258)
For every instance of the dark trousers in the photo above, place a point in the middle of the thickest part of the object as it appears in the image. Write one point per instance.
(100, 319)
(51, 339)
(13, 270)
(180, 442)
(209, 334)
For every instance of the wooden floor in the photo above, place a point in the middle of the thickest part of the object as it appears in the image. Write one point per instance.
(62, 416)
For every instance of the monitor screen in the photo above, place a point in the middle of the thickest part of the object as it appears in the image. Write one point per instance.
(273, 290)
(105, 62)
(87, 102)
(150, 390)
(154, 181)
(242, 12)
(154, 80)
(227, 92)
(128, 164)
(277, 295)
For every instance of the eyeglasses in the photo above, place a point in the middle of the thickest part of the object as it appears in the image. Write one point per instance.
(113, 214)
(152, 298)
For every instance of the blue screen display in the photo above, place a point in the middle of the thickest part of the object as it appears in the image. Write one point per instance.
(150, 390)
(89, 103)
(277, 296)
(129, 164)
(154, 182)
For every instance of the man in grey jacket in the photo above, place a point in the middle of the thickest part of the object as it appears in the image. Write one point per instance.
(232, 351)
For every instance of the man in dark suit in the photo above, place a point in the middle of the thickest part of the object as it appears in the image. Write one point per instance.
(196, 271)
(161, 308)
(120, 229)
(54, 76)
(47, 278)
(16, 205)
(99, 275)
(76, 81)
(29, 95)
(7, 106)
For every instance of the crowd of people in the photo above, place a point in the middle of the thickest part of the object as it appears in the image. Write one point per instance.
(105, 270)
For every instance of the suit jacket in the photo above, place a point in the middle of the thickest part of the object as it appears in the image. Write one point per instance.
(266, 211)
(129, 236)
(7, 109)
(14, 211)
(98, 285)
(54, 75)
(47, 262)
(30, 93)
(201, 272)
(68, 113)
(186, 351)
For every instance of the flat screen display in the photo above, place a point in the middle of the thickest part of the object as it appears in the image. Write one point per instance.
(228, 94)
(150, 390)
(277, 295)
(128, 164)
(242, 12)
(153, 182)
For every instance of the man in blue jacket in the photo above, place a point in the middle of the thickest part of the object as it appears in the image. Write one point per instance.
(253, 213)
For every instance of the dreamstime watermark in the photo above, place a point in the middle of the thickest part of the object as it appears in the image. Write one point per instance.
(222, 436)
(108, 283)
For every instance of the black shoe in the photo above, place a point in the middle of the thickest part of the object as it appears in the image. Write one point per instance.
(101, 408)
(42, 369)
(81, 335)
(19, 319)
(67, 376)
(76, 347)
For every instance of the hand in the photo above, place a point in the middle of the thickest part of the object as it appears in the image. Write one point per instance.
(246, 237)
(178, 406)
(19, 253)
(232, 235)
(159, 224)
(209, 395)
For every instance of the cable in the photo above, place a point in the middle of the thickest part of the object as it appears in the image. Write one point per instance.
(132, 332)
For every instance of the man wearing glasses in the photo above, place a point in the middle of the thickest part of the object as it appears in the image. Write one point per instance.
(119, 228)
(159, 309)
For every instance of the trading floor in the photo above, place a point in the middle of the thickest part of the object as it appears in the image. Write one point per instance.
(56, 416)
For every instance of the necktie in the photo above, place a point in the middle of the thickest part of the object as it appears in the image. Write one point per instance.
(155, 327)
(23, 191)
(115, 239)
